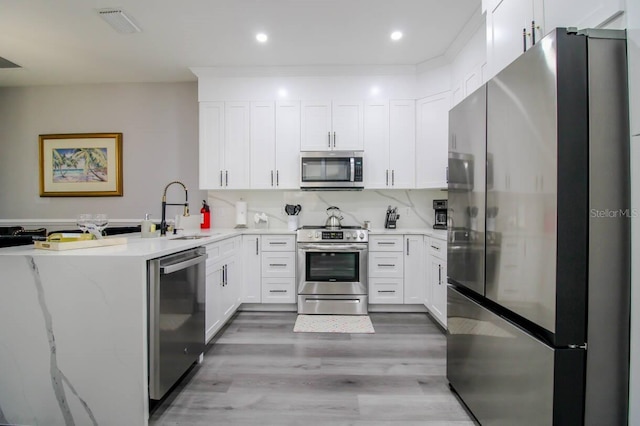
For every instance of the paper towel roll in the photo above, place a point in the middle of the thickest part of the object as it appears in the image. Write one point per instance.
(241, 213)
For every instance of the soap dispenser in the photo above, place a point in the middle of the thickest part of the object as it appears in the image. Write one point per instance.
(148, 228)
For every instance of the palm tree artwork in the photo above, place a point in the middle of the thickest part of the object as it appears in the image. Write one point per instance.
(80, 165)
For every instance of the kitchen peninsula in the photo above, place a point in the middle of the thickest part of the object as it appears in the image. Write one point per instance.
(73, 332)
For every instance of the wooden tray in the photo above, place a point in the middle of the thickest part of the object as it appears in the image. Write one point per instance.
(72, 245)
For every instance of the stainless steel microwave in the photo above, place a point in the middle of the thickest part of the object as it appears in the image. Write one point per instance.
(331, 170)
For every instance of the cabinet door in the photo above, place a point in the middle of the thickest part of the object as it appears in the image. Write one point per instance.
(213, 308)
(236, 145)
(288, 145)
(376, 145)
(251, 269)
(414, 282)
(431, 144)
(402, 143)
(315, 126)
(263, 145)
(230, 287)
(211, 144)
(508, 21)
(347, 122)
(438, 290)
(582, 13)
(426, 272)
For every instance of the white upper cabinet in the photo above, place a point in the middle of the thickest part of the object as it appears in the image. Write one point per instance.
(328, 126)
(376, 144)
(224, 145)
(275, 145)
(263, 145)
(432, 134)
(211, 144)
(402, 143)
(236, 146)
(288, 144)
(389, 144)
(513, 26)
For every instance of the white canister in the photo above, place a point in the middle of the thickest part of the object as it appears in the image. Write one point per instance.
(293, 223)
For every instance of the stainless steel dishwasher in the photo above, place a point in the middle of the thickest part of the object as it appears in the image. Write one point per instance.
(176, 310)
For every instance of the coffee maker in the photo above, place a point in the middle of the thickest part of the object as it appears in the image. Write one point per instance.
(440, 207)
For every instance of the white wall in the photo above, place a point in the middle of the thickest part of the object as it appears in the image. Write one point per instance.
(159, 123)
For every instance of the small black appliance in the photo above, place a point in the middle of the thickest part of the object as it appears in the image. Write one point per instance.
(440, 207)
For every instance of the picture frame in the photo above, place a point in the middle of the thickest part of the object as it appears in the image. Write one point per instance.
(81, 165)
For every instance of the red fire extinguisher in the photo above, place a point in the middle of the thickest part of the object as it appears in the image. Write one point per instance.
(205, 216)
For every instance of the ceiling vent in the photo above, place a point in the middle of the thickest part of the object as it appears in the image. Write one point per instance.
(5, 63)
(119, 21)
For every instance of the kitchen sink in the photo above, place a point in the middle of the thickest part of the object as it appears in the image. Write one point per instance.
(192, 237)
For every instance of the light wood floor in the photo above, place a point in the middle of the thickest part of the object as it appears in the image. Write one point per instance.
(259, 372)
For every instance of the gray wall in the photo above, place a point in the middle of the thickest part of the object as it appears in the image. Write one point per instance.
(159, 122)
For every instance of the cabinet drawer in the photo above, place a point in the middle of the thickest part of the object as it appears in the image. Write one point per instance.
(278, 290)
(386, 290)
(278, 243)
(222, 248)
(385, 243)
(386, 264)
(278, 264)
(438, 248)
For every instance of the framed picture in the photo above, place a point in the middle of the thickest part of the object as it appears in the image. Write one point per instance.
(81, 165)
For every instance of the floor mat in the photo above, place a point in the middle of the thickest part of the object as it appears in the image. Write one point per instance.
(333, 324)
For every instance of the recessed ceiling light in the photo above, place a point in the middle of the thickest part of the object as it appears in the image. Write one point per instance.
(283, 93)
(396, 35)
(375, 90)
(262, 37)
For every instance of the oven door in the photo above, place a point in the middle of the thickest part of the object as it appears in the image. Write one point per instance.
(332, 268)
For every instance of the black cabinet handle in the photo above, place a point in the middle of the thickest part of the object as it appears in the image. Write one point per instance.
(388, 265)
(226, 178)
(277, 291)
(329, 138)
(407, 247)
(524, 39)
(271, 177)
(387, 181)
(220, 177)
(277, 177)
(257, 240)
(439, 274)
(278, 264)
(386, 291)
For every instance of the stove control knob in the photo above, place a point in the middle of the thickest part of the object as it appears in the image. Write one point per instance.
(310, 234)
(317, 235)
(350, 235)
(362, 236)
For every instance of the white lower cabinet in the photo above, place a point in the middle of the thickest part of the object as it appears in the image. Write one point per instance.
(414, 282)
(386, 290)
(386, 269)
(438, 280)
(251, 269)
(223, 283)
(278, 270)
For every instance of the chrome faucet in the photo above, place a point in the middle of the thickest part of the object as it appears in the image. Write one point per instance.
(163, 222)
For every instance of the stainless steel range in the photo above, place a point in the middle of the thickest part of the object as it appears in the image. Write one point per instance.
(332, 270)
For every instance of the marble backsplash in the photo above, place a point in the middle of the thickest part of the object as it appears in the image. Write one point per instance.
(414, 206)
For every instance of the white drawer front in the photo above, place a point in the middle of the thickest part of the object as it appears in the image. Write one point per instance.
(386, 264)
(222, 248)
(278, 290)
(278, 242)
(438, 248)
(278, 264)
(386, 290)
(385, 243)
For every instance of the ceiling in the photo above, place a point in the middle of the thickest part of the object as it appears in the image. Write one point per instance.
(66, 42)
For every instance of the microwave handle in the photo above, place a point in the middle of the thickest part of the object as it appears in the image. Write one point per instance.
(353, 169)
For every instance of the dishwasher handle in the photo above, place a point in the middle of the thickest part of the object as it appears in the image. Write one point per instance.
(174, 267)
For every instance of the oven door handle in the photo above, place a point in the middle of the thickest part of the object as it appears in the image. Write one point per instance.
(174, 267)
(332, 247)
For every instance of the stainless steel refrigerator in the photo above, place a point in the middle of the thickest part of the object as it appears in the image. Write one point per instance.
(539, 254)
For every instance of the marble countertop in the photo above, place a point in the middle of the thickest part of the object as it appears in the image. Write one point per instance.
(150, 248)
